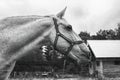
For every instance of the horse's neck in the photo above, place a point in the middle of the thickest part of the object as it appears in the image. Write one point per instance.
(17, 20)
(6, 70)
(16, 41)
(20, 35)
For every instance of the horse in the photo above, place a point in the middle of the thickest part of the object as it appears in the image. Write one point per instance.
(19, 35)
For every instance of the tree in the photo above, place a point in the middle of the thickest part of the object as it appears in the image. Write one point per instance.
(111, 34)
(105, 35)
(118, 32)
(101, 34)
(84, 35)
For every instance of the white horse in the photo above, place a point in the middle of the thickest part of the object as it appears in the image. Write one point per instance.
(21, 34)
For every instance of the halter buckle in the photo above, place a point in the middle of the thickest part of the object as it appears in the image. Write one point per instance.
(58, 34)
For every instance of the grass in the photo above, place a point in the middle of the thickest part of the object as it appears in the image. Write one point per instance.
(79, 78)
(37, 76)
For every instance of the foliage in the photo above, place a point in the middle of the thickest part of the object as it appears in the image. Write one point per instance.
(106, 34)
(84, 35)
(118, 32)
(111, 34)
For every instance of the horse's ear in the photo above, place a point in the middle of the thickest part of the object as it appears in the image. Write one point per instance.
(61, 14)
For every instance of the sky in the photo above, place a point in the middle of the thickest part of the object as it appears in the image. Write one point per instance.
(83, 15)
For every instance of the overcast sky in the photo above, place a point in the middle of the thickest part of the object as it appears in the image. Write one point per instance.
(84, 15)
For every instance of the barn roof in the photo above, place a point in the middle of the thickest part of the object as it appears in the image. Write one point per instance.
(105, 48)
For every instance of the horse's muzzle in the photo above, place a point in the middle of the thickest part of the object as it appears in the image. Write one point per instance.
(85, 59)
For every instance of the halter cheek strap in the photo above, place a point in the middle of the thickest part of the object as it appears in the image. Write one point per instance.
(58, 34)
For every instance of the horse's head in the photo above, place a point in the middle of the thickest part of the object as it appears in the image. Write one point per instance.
(65, 40)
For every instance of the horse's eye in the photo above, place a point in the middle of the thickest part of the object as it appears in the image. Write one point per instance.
(69, 27)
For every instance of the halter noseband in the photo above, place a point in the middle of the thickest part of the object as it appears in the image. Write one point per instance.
(58, 34)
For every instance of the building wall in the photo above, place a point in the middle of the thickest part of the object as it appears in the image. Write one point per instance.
(111, 68)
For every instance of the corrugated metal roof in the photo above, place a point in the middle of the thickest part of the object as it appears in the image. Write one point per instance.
(105, 48)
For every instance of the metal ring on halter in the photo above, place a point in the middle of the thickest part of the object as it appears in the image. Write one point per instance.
(58, 34)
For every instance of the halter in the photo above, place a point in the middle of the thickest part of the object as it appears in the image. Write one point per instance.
(58, 34)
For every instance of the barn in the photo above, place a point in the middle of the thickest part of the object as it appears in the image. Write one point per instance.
(107, 54)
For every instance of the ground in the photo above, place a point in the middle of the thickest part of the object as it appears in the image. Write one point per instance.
(67, 79)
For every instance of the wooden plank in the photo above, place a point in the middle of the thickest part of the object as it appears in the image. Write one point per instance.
(101, 67)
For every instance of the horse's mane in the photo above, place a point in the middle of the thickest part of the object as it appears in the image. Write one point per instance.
(17, 20)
